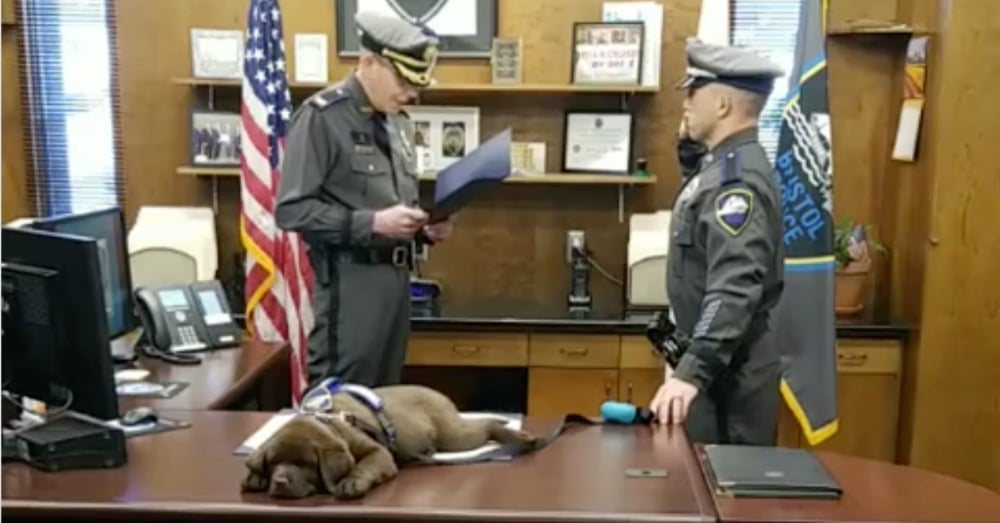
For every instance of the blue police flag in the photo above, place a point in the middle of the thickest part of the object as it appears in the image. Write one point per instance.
(805, 319)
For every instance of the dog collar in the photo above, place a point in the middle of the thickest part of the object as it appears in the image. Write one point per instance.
(319, 400)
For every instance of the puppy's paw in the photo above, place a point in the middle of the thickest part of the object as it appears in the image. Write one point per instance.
(352, 487)
(254, 482)
(528, 438)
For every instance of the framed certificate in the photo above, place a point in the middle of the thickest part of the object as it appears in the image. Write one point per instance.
(216, 53)
(598, 142)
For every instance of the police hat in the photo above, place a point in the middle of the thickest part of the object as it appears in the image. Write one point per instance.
(738, 67)
(412, 50)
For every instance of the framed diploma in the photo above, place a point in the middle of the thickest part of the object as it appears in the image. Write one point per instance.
(607, 53)
(466, 28)
(216, 53)
(598, 142)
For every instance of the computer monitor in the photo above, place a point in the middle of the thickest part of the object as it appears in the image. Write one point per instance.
(107, 226)
(55, 333)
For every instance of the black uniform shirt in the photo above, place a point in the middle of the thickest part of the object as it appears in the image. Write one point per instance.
(335, 175)
(725, 264)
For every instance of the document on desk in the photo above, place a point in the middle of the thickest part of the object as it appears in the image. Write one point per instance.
(461, 181)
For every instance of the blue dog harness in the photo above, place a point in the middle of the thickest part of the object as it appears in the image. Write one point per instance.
(319, 400)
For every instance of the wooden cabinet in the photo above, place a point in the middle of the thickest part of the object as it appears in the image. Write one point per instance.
(576, 373)
(869, 373)
(468, 349)
(556, 392)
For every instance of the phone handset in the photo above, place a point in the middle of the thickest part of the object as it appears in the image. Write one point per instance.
(161, 334)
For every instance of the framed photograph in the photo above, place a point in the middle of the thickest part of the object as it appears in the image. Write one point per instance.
(607, 53)
(598, 142)
(215, 139)
(217, 53)
(443, 134)
(506, 61)
(466, 27)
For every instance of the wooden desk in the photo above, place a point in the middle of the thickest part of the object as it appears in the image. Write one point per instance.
(193, 474)
(874, 491)
(255, 372)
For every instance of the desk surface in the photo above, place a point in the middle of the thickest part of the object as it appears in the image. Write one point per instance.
(193, 472)
(874, 491)
(223, 376)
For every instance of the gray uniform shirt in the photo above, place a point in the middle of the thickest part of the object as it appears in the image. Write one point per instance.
(726, 260)
(334, 174)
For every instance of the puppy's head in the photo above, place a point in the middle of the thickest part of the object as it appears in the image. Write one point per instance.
(303, 458)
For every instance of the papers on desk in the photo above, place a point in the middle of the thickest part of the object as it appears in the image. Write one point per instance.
(279, 420)
(457, 184)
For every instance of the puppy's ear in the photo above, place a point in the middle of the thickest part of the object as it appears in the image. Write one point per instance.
(257, 477)
(335, 462)
(255, 461)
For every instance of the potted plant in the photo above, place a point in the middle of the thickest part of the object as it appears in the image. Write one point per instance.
(851, 249)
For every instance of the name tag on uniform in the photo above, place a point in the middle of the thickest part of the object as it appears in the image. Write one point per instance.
(364, 143)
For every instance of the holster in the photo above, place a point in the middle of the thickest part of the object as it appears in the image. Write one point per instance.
(667, 341)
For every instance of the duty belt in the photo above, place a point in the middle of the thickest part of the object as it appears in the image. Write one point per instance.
(398, 256)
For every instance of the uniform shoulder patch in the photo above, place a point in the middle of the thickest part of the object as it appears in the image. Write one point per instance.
(324, 99)
(733, 208)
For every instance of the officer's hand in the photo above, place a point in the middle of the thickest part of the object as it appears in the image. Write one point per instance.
(672, 401)
(440, 231)
(398, 221)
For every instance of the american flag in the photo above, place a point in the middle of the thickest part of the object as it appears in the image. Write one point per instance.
(279, 277)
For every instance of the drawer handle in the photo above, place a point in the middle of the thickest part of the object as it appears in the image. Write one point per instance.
(607, 390)
(465, 350)
(852, 359)
(628, 397)
(574, 351)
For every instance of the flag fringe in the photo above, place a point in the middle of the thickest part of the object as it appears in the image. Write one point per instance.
(264, 261)
(814, 436)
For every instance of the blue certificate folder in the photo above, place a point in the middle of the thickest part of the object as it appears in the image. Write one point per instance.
(458, 184)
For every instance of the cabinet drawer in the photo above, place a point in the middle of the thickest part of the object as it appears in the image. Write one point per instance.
(637, 353)
(869, 356)
(561, 350)
(468, 349)
(553, 393)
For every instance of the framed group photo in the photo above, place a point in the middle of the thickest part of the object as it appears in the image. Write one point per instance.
(466, 28)
(607, 53)
(598, 142)
(442, 135)
(215, 138)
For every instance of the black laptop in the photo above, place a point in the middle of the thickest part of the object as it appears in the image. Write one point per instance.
(768, 472)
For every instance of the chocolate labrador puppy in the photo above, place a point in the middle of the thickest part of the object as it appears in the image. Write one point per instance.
(330, 454)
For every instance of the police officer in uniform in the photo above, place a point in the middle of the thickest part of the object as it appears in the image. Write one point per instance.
(726, 260)
(349, 186)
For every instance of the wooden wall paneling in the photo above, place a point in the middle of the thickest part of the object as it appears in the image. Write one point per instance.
(916, 13)
(957, 391)
(508, 253)
(16, 202)
(8, 12)
(862, 72)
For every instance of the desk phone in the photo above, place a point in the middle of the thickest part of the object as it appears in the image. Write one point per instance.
(186, 318)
